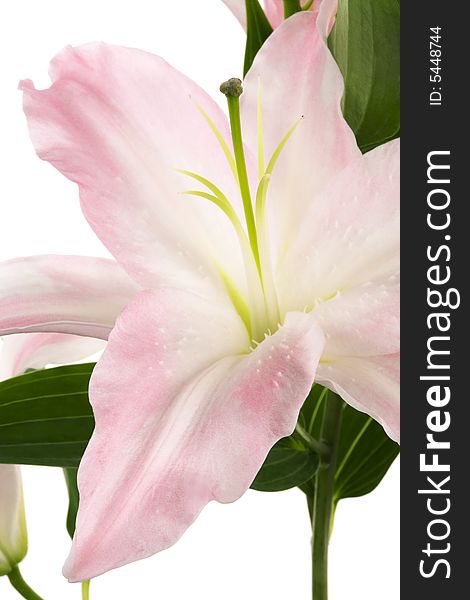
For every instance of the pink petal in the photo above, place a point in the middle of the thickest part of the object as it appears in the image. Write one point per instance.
(348, 253)
(184, 415)
(362, 321)
(274, 10)
(350, 235)
(119, 122)
(65, 294)
(300, 83)
(371, 384)
(37, 350)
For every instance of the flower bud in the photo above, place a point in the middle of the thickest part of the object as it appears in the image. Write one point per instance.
(13, 536)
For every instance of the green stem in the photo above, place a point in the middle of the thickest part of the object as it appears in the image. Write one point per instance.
(318, 447)
(236, 127)
(20, 585)
(86, 589)
(291, 7)
(323, 496)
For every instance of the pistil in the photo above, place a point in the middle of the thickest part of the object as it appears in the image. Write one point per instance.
(233, 89)
(260, 312)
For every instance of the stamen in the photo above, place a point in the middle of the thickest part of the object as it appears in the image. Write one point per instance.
(233, 90)
(270, 293)
(264, 182)
(222, 142)
(280, 148)
(272, 304)
(261, 197)
(220, 200)
(256, 324)
(217, 201)
(224, 202)
(238, 301)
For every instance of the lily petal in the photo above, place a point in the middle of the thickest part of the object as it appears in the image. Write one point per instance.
(182, 418)
(274, 10)
(371, 384)
(362, 321)
(299, 82)
(348, 253)
(37, 350)
(65, 294)
(120, 122)
(350, 235)
(13, 537)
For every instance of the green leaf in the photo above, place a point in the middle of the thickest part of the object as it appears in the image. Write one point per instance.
(70, 474)
(258, 29)
(365, 42)
(365, 452)
(289, 464)
(45, 417)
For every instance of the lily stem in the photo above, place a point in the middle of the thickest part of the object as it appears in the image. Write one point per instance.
(20, 585)
(319, 447)
(322, 512)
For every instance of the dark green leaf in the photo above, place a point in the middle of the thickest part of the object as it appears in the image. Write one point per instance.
(289, 464)
(258, 29)
(365, 42)
(365, 452)
(45, 417)
(70, 474)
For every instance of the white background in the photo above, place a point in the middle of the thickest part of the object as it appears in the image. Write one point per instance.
(258, 547)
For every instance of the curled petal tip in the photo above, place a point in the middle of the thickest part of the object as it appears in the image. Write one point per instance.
(25, 85)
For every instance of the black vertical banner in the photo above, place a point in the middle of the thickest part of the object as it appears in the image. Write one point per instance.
(435, 399)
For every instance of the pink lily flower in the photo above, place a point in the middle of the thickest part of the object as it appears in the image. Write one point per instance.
(226, 325)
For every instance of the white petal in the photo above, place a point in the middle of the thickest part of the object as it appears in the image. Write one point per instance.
(13, 537)
(62, 294)
(371, 385)
(37, 350)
